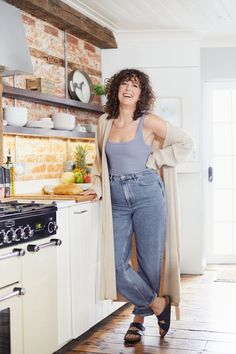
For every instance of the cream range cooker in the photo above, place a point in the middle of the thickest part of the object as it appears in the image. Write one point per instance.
(28, 288)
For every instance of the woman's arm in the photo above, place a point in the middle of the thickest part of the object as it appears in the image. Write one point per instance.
(177, 144)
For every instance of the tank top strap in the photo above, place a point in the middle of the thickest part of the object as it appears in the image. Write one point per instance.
(140, 125)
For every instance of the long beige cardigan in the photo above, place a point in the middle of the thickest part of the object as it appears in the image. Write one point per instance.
(176, 147)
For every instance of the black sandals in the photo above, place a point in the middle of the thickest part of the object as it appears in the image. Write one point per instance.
(136, 333)
(164, 317)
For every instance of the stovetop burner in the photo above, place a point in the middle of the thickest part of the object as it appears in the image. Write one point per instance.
(14, 207)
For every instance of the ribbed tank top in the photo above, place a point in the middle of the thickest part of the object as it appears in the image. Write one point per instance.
(129, 156)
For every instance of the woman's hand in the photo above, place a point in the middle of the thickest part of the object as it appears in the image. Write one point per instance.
(90, 191)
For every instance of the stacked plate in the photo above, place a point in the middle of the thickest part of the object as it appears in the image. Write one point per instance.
(45, 123)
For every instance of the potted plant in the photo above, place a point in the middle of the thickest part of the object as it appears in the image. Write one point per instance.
(99, 89)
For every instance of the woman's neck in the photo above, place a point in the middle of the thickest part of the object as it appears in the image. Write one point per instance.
(125, 114)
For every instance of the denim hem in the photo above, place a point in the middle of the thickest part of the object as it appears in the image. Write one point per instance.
(143, 314)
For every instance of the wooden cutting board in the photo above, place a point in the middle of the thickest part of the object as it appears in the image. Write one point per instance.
(39, 196)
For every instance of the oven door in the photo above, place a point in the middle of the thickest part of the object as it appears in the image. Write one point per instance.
(11, 331)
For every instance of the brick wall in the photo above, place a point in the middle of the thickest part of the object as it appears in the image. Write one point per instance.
(46, 157)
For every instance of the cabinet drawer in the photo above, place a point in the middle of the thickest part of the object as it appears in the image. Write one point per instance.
(10, 266)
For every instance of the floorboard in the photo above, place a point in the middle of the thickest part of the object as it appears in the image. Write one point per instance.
(207, 325)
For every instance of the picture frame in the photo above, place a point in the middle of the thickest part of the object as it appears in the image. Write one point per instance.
(170, 108)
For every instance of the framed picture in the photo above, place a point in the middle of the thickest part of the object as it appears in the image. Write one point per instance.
(169, 108)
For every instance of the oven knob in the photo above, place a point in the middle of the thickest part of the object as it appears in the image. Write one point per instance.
(51, 227)
(19, 233)
(10, 236)
(2, 236)
(27, 232)
(31, 233)
(55, 226)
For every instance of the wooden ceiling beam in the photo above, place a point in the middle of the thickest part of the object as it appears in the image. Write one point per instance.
(66, 18)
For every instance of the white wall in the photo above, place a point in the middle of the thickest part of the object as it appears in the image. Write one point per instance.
(218, 64)
(174, 68)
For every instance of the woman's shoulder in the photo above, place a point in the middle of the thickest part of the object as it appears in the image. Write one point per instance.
(151, 119)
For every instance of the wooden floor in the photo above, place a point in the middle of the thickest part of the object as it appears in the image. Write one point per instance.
(207, 325)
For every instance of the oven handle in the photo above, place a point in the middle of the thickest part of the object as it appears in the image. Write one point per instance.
(52, 242)
(16, 291)
(16, 252)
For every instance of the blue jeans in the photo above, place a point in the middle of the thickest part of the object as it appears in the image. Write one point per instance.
(139, 206)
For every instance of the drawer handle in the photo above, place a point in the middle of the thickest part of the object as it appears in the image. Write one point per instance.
(81, 212)
(16, 291)
(16, 252)
(52, 242)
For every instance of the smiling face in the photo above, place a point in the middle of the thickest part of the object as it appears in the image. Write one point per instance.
(129, 91)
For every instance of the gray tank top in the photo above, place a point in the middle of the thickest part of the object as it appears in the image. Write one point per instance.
(128, 157)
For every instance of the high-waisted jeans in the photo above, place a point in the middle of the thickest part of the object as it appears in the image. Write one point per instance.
(139, 206)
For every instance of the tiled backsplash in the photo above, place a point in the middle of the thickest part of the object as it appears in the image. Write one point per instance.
(43, 157)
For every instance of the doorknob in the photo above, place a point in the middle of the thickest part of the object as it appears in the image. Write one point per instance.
(210, 174)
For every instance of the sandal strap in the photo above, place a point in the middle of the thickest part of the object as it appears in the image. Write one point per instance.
(164, 316)
(135, 332)
(138, 325)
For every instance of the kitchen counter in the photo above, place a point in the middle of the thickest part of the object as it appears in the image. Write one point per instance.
(61, 200)
(53, 197)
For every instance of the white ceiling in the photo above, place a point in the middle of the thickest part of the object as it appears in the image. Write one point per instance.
(199, 19)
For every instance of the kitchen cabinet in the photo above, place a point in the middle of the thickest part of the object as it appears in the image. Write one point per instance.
(85, 236)
(39, 276)
(63, 278)
(83, 251)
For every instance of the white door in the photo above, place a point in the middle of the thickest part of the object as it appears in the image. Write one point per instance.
(219, 155)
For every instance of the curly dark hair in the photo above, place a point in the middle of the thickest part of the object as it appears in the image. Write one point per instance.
(146, 99)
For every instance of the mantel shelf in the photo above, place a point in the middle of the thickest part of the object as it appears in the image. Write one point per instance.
(47, 132)
(37, 97)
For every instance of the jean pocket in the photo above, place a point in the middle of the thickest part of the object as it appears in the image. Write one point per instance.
(149, 179)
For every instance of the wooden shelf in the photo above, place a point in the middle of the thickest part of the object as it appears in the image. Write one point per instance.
(46, 132)
(37, 97)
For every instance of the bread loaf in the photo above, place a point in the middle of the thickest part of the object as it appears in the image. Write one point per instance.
(47, 190)
(67, 189)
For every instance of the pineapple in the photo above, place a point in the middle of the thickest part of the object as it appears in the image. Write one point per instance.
(80, 159)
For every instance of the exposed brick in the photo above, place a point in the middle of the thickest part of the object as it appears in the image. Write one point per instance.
(39, 168)
(51, 30)
(45, 158)
(27, 19)
(72, 39)
(90, 47)
(50, 158)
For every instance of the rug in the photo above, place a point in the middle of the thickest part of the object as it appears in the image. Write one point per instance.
(226, 275)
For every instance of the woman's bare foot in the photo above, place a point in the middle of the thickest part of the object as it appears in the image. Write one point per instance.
(161, 308)
(132, 337)
(158, 305)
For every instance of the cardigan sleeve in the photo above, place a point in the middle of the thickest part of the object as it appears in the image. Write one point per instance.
(177, 146)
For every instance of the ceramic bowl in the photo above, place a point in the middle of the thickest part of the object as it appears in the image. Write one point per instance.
(90, 128)
(15, 116)
(63, 121)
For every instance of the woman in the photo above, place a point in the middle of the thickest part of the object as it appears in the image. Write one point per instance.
(133, 195)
